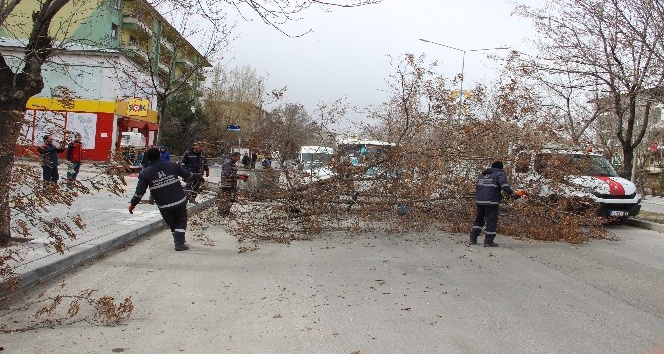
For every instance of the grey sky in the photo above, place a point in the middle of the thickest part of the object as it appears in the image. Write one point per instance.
(346, 54)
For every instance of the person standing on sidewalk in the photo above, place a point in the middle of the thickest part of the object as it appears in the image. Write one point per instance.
(165, 187)
(254, 159)
(49, 159)
(487, 199)
(246, 160)
(74, 156)
(194, 161)
(228, 183)
(165, 156)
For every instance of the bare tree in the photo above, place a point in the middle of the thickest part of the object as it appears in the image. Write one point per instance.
(234, 97)
(611, 47)
(286, 130)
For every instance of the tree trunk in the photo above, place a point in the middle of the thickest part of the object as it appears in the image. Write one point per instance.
(10, 128)
(628, 161)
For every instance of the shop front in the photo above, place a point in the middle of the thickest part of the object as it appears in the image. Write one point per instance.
(99, 122)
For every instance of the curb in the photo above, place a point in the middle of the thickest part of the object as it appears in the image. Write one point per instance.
(645, 225)
(47, 269)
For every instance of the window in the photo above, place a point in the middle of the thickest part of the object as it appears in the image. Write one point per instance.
(114, 31)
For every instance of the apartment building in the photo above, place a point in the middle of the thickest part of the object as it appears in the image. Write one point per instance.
(110, 59)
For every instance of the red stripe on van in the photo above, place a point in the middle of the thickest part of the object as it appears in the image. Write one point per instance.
(615, 187)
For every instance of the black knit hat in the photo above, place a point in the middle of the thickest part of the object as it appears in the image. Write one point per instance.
(497, 164)
(153, 154)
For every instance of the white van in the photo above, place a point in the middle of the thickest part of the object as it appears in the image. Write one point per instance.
(579, 174)
(132, 139)
(315, 162)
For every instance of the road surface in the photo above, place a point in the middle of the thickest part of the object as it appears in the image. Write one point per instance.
(372, 293)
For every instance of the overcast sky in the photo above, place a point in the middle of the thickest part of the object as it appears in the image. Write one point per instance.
(346, 53)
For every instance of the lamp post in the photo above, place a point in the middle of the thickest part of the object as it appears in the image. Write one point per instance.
(463, 64)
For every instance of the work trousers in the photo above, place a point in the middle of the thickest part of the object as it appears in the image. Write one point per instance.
(486, 217)
(225, 200)
(193, 187)
(176, 219)
(72, 172)
(50, 174)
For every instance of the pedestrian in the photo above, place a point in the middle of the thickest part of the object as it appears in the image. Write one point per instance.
(162, 179)
(194, 161)
(245, 160)
(254, 159)
(74, 156)
(267, 162)
(165, 156)
(49, 159)
(228, 183)
(487, 199)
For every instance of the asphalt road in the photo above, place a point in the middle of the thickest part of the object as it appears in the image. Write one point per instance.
(372, 293)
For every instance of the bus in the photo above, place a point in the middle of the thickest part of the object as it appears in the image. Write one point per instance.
(364, 152)
(312, 157)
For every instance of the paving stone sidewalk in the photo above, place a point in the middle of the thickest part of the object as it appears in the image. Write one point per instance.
(109, 225)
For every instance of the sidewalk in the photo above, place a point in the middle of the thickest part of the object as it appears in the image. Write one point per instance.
(109, 226)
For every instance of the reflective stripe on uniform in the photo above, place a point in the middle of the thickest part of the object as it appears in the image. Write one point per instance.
(165, 184)
(173, 204)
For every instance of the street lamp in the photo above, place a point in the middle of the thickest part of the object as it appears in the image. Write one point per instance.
(463, 64)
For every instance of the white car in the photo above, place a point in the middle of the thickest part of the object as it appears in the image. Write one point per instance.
(580, 174)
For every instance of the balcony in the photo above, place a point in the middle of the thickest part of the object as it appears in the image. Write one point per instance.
(166, 44)
(133, 21)
(164, 68)
(134, 52)
(184, 61)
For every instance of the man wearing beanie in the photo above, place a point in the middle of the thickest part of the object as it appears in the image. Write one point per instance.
(162, 179)
(487, 199)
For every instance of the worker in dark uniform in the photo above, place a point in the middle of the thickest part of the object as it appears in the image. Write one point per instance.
(49, 159)
(165, 187)
(194, 160)
(487, 199)
(228, 183)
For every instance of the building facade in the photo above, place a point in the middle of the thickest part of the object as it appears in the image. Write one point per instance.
(111, 59)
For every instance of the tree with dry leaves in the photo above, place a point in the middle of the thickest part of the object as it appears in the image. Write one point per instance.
(601, 57)
(426, 179)
(235, 97)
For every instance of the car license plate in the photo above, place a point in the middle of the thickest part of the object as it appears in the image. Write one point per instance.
(618, 213)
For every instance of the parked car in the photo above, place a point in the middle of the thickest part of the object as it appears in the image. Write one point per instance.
(575, 173)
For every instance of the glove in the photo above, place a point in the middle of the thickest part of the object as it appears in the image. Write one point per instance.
(131, 208)
(207, 173)
(519, 193)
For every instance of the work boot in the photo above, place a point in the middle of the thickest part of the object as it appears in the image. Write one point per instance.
(490, 244)
(193, 201)
(473, 240)
(181, 247)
